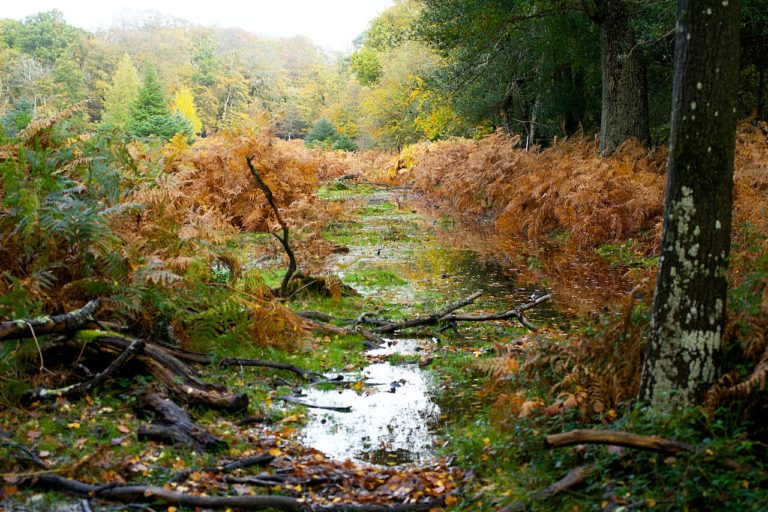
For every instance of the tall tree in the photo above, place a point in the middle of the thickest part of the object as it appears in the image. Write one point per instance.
(121, 94)
(624, 82)
(689, 305)
(149, 114)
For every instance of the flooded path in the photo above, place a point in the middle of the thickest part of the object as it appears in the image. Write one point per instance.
(398, 259)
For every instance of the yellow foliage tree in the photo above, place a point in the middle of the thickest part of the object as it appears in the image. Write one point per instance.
(184, 104)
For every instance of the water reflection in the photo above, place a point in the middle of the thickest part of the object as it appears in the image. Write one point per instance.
(389, 421)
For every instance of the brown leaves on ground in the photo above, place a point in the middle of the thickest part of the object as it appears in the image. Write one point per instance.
(297, 470)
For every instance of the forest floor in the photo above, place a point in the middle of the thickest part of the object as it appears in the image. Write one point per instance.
(419, 424)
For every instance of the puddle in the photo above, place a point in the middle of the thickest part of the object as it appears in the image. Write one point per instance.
(390, 418)
(394, 419)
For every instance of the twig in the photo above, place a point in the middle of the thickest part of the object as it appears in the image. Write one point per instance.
(316, 406)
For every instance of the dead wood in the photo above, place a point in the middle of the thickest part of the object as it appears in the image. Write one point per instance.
(175, 426)
(298, 401)
(431, 319)
(447, 317)
(286, 232)
(68, 322)
(202, 359)
(435, 503)
(80, 389)
(370, 340)
(616, 438)
(505, 315)
(175, 375)
(574, 478)
(154, 494)
(257, 460)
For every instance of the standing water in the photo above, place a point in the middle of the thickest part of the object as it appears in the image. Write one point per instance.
(393, 418)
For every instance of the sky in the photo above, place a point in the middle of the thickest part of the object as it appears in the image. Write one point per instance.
(332, 24)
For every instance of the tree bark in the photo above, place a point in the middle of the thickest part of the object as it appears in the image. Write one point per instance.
(689, 304)
(761, 93)
(624, 80)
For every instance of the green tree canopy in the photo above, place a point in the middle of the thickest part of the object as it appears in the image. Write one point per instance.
(149, 114)
(121, 94)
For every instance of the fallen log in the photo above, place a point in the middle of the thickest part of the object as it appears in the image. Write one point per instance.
(175, 426)
(637, 441)
(80, 389)
(154, 494)
(68, 322)
(431, 319)
(616, 438)
(574, 478)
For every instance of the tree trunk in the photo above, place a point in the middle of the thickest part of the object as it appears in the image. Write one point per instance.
(506, 104)
(761, 93)
(624, 80)
(689, 305)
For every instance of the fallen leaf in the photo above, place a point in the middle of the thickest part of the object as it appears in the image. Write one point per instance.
(123, 429)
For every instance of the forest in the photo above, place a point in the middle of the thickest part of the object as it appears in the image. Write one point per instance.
(498, 255)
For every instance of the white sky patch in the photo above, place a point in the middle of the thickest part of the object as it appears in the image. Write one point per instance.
(332, 24)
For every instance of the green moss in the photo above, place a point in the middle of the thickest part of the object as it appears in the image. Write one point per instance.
(373, 278)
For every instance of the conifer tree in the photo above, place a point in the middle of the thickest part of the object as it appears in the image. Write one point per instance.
(149, 114)
(121, 94)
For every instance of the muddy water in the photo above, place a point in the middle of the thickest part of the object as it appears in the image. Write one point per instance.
(394, 418)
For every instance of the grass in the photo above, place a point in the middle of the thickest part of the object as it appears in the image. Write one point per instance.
(340, 191)
(373, 278)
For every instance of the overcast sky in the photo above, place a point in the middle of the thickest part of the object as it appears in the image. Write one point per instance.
(332, 24)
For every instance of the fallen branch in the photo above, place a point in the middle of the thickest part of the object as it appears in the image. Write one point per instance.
(68, 322)
(80, 389)
(575, 477)
(195, 357)
(284, 238)
(175, 375)
(176, 426)
(297, 401)
(257, 460)
(370, 340)
(612, 437)
(154, 494)
(435, 503)
(431, 319)
(505, 315)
